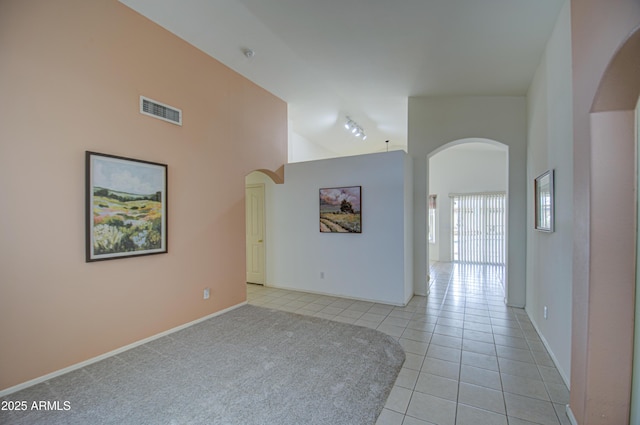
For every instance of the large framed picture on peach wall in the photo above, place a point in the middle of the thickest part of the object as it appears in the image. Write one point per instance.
(126, 207)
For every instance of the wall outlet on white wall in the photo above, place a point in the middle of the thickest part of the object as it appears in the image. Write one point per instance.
(206, 294)
(545, 312)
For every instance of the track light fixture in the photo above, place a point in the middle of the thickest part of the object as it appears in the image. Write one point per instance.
(355, 128)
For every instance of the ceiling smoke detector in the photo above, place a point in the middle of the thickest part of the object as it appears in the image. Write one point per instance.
(248, 53)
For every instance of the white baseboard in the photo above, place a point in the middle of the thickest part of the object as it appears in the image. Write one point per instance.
(85, 363)
(427, 288)
(565, 378)
(555, 361)
(572, 418)
(331, 294)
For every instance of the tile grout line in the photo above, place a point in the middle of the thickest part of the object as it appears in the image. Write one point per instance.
(474, 296)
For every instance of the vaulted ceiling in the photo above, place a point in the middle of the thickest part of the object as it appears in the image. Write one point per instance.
(329, 59)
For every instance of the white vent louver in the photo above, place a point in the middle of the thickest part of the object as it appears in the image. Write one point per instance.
(160, 110)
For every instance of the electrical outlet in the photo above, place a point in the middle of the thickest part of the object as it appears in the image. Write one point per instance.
(321, 275)
(545, 312)
(207, 292)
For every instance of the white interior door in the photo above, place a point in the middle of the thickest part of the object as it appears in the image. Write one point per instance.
(256, 255)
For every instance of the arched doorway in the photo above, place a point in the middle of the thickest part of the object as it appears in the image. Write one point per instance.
(604, 287)
(460, 169)
(436, 121)
(467, 192)
(258, 189)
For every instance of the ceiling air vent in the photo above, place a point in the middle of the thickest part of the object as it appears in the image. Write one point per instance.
(159, 110)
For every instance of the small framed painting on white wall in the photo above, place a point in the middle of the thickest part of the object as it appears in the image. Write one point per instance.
(544, 202)
(340, 210)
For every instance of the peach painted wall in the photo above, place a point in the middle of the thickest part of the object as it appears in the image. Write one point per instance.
(70, 78)
(604, 240)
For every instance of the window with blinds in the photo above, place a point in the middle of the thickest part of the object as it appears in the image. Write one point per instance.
(478, 228)
(432, 218)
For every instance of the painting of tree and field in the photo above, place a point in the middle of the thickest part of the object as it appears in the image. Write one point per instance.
(340, 210)
(128, 207)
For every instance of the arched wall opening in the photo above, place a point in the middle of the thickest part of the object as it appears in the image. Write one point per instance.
(473, 169)
(605, 283)
(434, 122)
(276, 177)
(259, 187)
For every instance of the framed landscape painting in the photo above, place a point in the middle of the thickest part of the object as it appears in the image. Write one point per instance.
(340, 210)
(126, 207)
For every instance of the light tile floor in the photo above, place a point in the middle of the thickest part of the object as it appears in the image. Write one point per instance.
(470, 359)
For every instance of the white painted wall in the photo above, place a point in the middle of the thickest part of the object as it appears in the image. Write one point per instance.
(550, 136)
(408, 224)
(302, 149)
(436, 121)
(374, 265)
(467, 168)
